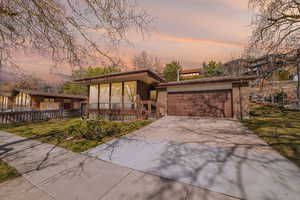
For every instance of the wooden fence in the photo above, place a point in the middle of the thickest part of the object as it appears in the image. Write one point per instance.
(28, 116)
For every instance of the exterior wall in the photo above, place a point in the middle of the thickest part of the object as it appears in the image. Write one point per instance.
(199, 87)
(77, 105)
(240, 95)
(162, 101)
(113, 115)
(49, 106)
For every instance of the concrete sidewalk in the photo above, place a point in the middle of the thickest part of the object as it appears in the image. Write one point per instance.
(50, 172)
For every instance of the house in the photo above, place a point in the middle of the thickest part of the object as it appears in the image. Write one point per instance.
(141, 94)
(191, 73)
(238, 67)
(26, 100)
(124, 95)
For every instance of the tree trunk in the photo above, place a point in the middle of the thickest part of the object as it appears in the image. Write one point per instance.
(298, 87)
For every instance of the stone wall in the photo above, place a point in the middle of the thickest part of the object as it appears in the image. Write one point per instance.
(270, 88)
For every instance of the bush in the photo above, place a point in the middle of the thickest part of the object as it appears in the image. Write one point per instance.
(93, 129)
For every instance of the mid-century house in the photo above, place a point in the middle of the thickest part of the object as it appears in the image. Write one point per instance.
(142, 94)
(21, 100)
(191, 73)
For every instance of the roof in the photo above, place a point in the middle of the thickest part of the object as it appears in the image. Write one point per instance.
(188, 71)
(50, 94)
(120, 74)
(237, 61)
(210, 80)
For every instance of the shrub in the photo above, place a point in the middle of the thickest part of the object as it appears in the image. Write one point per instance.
(95, 129)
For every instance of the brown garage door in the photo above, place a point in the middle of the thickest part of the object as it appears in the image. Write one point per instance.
(204, 104)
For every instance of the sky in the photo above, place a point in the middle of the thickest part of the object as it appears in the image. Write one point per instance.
(189, 31)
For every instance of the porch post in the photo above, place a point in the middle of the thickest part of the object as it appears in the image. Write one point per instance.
(123, 93)
(98, 105)
(109, 96)
(149, 106)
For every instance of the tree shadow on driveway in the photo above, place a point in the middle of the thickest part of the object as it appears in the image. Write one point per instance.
(242, 168)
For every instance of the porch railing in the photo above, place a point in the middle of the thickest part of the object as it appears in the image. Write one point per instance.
(149, 109)
(144, 108)
(112, 106)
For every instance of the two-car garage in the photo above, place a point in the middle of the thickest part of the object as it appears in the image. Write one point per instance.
(215, 103)
(221, 97)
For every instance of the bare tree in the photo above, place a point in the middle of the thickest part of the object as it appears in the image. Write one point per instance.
(146, 61)
(69, 30)
(277, 28)
(276, 25)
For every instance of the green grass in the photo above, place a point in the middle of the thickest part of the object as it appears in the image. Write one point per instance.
(7, 172)
(279, 127)
(70, 133)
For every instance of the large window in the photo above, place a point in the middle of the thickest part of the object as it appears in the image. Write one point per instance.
(22, 100)
(130, 95)
(93, 98)
(116, 96)
(104, 96)
(3, 103)
(115, 100)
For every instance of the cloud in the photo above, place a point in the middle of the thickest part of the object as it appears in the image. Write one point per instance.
(200, 41)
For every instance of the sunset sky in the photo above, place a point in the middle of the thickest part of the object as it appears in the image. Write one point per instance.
(190, 31)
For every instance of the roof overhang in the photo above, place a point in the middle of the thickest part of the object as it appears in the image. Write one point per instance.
(49, 95)
(223, 79)
(146, 76)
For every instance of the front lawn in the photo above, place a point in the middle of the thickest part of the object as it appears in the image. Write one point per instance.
(74, 134)
(279, 127)
(7, 172)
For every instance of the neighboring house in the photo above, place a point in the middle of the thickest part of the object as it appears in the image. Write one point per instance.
(142, 94)
(22, 100)
(269, 91)
(238, 67)
(191, 73)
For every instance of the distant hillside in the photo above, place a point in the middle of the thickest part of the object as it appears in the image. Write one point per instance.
(62, 76)
(6, 76)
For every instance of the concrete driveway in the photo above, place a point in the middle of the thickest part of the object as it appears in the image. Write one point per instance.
(53, 173)
(217, 154)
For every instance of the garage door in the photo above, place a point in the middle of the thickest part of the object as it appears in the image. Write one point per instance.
(216, 103)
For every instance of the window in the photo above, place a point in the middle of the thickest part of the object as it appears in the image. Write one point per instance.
(104, 96)
(130, 95)
(153, 95)
(93, 98)
(116, 96)
(22, 100)
(3, 103)
(48, 99)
